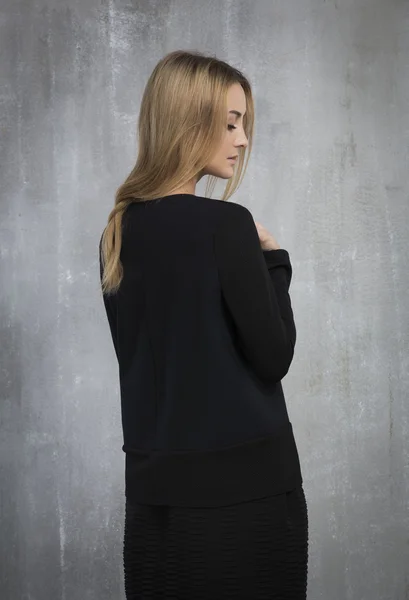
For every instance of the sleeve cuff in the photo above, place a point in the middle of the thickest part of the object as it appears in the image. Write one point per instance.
(277, 258)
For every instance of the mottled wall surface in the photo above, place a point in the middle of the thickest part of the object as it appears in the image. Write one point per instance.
(328, 177)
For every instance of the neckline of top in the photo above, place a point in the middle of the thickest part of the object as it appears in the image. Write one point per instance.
(174, 196)
(166, 197)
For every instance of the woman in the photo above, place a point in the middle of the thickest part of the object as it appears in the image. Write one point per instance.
(196, 295)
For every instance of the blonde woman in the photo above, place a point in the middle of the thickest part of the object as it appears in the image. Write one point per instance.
(197, 299)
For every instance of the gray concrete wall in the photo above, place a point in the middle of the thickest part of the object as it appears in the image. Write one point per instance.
(328, 177)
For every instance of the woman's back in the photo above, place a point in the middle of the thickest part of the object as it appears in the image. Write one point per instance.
(203, 330)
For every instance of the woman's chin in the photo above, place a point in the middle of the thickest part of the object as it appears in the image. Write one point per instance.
(224, 173)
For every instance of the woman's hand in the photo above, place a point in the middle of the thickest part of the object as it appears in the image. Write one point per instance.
(267, 241)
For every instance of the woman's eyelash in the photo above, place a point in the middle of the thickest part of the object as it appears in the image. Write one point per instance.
(233, 126)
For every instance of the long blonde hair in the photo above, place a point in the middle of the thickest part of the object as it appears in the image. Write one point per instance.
(181, 124)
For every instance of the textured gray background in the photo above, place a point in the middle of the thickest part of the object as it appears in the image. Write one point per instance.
(328, 177)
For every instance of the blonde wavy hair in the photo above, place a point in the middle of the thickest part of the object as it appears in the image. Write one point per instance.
(181, 124)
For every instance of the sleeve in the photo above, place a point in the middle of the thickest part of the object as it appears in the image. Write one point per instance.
(255, 286)
(109, 308)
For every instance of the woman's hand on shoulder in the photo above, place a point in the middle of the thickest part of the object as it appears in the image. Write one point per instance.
(267, 240)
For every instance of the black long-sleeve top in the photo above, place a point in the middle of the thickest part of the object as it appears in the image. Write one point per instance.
(203, 329)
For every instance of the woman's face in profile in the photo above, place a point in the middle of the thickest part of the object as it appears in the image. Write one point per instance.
(220, 165)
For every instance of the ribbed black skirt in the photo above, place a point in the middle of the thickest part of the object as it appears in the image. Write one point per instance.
(252, 550)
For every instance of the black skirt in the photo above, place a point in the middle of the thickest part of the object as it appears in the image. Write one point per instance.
(251, 550)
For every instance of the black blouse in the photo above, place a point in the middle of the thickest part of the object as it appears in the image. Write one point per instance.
(204, 332)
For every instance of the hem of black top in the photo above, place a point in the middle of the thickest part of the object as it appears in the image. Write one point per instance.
(247, 471)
